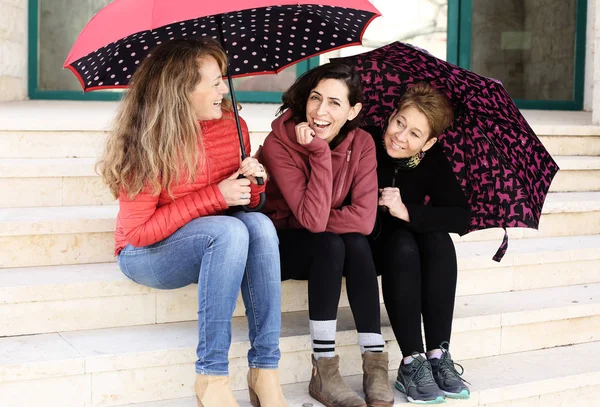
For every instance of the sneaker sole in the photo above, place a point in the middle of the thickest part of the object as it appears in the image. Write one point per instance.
(463, 395)
(400, 387)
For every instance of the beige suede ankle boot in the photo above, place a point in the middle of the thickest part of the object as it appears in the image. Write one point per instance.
(376, 384)
(327, 385)
(214, 391)
(264, 388)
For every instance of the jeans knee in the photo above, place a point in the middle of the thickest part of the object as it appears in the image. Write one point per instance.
(259, 227)
(231, 232)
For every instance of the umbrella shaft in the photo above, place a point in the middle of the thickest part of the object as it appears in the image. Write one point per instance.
(236, 115)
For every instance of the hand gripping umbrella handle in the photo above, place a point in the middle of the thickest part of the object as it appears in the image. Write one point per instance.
(263, 198)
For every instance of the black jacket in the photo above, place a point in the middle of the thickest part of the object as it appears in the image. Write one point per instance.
(447, 208)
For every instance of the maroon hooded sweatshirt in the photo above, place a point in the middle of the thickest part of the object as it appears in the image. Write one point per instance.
(311, 187)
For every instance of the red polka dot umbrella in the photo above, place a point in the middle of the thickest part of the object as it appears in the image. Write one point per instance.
(260, 36)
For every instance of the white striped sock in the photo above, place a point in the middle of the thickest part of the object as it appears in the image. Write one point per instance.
(322, 334)
(370, 342)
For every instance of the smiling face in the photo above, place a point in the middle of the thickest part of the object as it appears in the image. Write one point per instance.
(328, 108)
(208, 93)
(407, 133)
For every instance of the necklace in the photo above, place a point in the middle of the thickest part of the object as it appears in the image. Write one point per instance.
(408, 162)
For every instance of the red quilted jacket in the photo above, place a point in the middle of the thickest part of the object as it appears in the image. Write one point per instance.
(148, 218)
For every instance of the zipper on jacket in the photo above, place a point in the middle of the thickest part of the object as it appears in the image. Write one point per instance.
(344, 171)
(394, 177)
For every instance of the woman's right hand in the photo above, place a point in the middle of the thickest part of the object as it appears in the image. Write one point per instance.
(235, 191)
(304, 134)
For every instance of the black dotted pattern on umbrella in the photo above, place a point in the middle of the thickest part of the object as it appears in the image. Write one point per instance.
(257, 41)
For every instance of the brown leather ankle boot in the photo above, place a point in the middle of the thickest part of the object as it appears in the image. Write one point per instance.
(264, 388)
(327, 385)
(214, 391)
(376, 384)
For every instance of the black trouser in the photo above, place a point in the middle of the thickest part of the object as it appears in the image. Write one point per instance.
(418, 273)
(322, 259)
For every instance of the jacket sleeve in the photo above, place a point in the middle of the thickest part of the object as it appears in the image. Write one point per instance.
(309, 199)
(360, 215)
(255, 190)
(144, 223)
(448, 209)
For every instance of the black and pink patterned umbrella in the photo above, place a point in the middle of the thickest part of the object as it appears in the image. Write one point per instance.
(502, 166)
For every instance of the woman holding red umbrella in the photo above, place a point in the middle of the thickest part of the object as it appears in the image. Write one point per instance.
(172, 160)
(421, 203)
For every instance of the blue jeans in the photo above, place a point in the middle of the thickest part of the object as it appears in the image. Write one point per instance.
(220, 254)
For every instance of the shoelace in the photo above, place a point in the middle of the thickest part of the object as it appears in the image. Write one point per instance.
(448, 366)
(422, 376)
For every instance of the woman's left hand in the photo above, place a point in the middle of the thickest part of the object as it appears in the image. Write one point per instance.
(251, 168)
(391, 198)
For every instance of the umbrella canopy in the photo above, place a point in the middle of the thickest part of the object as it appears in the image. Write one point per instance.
(260, 36)
(502, 166)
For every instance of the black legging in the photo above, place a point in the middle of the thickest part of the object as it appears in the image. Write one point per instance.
(418, 274)
(322, 259)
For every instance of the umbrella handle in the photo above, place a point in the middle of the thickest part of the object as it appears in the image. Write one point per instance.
(263, 198)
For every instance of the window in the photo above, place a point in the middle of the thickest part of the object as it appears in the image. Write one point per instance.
(536, 48)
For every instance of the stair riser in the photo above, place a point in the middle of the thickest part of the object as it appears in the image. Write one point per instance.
(65, 144)
(70, 191)
(51, 144)
(54, 191)
(551, 225)
(76, 391)
(81, 248)
(40, 144)
(576, 181)
(44, 250)
(117, 387)
(571, 145)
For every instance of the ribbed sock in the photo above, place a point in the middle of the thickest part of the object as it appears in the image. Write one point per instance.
(322, 334)
(370, 342)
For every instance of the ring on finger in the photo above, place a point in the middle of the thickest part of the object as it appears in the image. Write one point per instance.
(244, 195)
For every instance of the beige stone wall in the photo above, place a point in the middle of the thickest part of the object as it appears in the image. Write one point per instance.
(13, 50)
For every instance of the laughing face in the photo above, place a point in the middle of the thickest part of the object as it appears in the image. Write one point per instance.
(407, 133)
(208, 93)
(328, 108)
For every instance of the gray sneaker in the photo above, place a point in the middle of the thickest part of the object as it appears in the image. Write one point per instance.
(446, 376)
(416, 381)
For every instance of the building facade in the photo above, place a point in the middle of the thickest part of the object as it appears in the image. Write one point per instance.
(542, 50)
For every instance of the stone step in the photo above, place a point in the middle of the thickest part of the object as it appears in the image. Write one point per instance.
(523, 379)
(91, 296)
(154, 362)
(36, 182)
(83, 234)
(577, 174)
